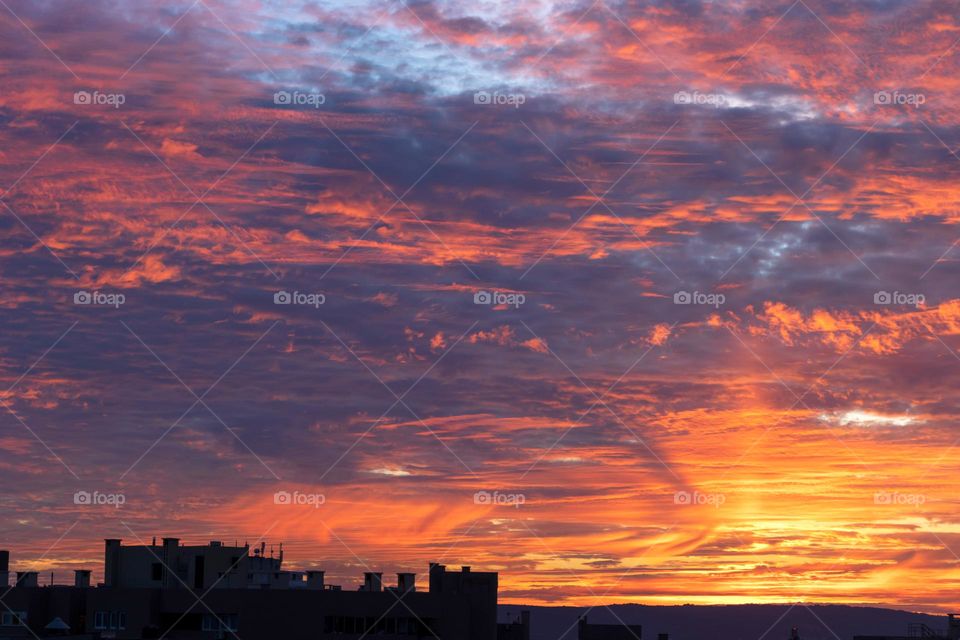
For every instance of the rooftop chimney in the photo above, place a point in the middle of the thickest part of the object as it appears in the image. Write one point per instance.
(315, 580)
(111, 562)
(4, 568)
(26, 578)
(372, 581)
(81, 578)
(406, 582)
(170, 561)
(436, 577)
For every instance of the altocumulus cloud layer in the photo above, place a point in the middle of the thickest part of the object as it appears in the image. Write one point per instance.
(672, 283)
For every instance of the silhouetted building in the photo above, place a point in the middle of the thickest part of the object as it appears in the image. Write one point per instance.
(587, 631)
(4, 569)
(216, 591)
(920, 630)
(30, 611)
(517, 627)
(171, 565)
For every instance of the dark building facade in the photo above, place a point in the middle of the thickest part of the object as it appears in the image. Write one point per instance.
(211, 591)
(517, 627)
(587, 631)
(914, 631)
(28, 611)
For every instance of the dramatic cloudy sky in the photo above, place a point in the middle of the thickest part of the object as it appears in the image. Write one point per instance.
(789, 434)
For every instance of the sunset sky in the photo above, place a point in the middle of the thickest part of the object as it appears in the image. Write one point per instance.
(721, 357)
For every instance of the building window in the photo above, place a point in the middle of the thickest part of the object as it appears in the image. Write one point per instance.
(368, 625)
(219, 622)
(14, 618)
(156, 571)
(112, 620)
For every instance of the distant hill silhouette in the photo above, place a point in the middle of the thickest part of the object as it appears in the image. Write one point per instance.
(731, 622)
